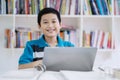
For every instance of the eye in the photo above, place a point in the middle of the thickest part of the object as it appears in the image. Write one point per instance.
(53, 21)
(45, 22)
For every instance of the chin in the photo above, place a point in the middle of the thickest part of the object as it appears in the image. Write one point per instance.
(51, 35)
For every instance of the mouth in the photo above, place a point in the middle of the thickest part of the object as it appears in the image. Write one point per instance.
(50, 30)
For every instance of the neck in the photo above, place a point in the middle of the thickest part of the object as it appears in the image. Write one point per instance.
(52, 41)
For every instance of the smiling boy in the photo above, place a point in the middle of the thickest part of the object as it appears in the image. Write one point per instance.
(49, 22)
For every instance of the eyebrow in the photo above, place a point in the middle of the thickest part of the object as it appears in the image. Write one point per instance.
(47, 20)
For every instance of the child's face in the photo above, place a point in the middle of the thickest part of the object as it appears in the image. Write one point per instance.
(50, 25)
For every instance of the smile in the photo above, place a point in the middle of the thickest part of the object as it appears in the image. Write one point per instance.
(51, 30)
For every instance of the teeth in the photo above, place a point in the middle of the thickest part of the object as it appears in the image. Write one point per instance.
(50, 30)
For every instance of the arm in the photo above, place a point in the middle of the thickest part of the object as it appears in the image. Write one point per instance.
(68, 44)
(30, 65)
(26, 59)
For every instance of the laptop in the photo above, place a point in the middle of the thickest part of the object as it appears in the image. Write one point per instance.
(69, 58)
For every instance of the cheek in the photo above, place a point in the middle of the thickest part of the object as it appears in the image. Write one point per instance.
(42, 29)
(59, 27)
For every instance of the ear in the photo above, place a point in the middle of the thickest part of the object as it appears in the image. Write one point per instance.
(60, 25)
(39, 26)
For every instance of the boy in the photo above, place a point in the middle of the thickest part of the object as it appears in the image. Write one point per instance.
(49, 21)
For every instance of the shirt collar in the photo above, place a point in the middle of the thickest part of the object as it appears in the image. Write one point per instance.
(44, 43)
(42, 40)
(60, 41)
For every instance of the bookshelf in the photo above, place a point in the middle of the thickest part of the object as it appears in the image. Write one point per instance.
(80, 22)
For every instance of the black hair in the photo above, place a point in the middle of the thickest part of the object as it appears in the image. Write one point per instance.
(47, 11)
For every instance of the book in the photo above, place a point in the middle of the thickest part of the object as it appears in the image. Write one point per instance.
(58, 5)
(93, 7)
(62, 34)
(87, 39)
(63, 7)
(81, 75)
(96, 38)
(104, 5)
(100, 39)
(51, 75)
(8, 38)
(25, 34)
(22, 74)
(67, 7)
(92, 35)
(100, 7)
(105, 42)
(87, 9)
(73, 37)
(72, 7)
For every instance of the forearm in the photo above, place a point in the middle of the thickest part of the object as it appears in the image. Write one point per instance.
(30, 65)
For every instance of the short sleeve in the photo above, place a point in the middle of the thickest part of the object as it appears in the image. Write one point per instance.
(27, 55)
(68, 44)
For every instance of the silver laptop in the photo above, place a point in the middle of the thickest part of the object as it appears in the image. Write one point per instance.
(69, 58)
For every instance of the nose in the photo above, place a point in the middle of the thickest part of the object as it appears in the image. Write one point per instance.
(50, 25)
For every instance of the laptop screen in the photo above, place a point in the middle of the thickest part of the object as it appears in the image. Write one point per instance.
(69, 58)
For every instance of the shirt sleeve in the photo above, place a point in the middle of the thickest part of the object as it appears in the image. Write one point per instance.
(68, 44)
(27, 55)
